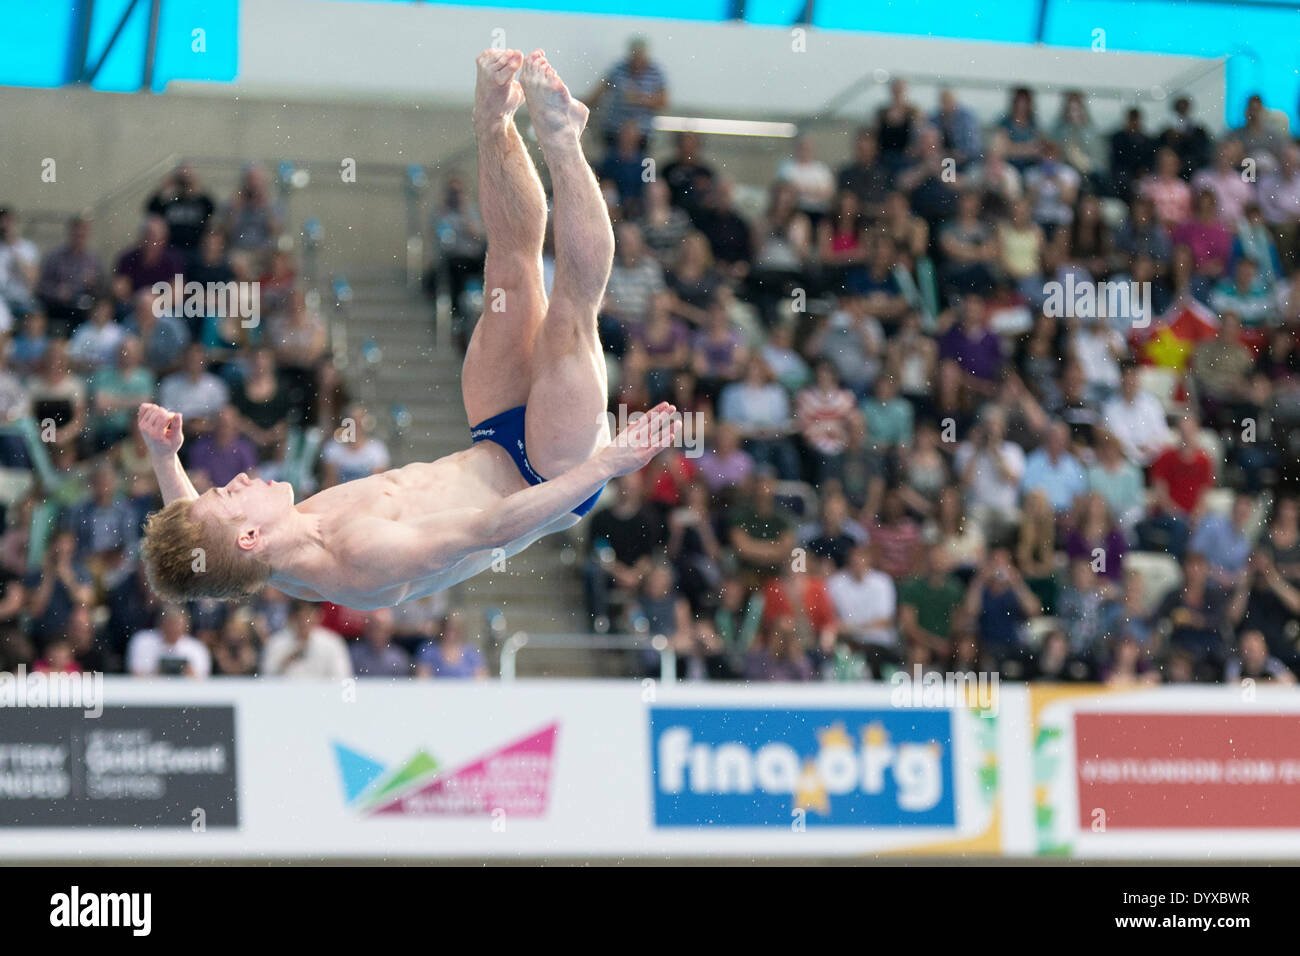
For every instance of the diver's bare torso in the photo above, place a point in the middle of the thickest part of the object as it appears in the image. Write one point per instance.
(479, 477)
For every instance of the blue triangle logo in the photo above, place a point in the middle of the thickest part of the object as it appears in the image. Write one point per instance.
(357, 770)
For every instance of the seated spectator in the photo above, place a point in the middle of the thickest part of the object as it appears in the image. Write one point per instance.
(252, 219)
(58, 398)
(1245, 293)
(635, 278)
(1225, 541)
(970, 341)
(812, 180)
(1020, 243)
(826, 415)
(721, 355)
(865, 176)
(760, 410)
(835, 534)
(1052, 187)
(1179, 478)
(1128, 666)
(27, 348)
(19, 262)
(1000, 603)
(169, 651)
(235, 652)
(1098, 348)
(726, 465)
(116, 392)
(1143, 235)
(1231, 190)
(663, 225)
(1053, 470)
(895, 538)
(1088, 610)
(990, 469)
(305, 650)
(1167, 190)
(1253, 662)
(106, 522)
(1186, 137)
(1020, 126)
(663, 345)
(852, 341)
(96, 343)
(842, 243)
(761, 533)
(352, 453)
(622, 538)
(865, 602)
(689, 176)
(1205, 236)
(1036, 549)
(1137, 420)
(450, 655)
(1264, 600)
(300, 340)
(71, 277)
(887, 416)
(194, 392)
(222, 453)
(1132, 153)
(374, 654)
(1222, 368)
(730, 237)
(263, 404)
(163, 336)
(694, 549)
(152, 261)
(929, 601)
(181, 203)
(1094, 537)
(1195, 616)
(624, 165)
(777, 655)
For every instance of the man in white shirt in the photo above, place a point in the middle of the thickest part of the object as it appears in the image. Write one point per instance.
(306, 650)
(865, 601)
(991, 468)
(1137, 420)
(194, 392)
(168, 650)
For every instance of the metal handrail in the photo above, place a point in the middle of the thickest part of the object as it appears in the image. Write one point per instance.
(517, 641)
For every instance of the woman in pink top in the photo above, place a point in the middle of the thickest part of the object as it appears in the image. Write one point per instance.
(1206, 236)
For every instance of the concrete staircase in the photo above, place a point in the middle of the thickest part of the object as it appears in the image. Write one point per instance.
(540, 590)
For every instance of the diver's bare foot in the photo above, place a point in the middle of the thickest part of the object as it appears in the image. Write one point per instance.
(496, 92)
(557, 117)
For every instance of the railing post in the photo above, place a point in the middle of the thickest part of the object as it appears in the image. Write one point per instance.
(508, 651)
(667, 659)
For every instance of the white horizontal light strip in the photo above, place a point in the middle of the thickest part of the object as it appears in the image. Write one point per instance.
(725, 127)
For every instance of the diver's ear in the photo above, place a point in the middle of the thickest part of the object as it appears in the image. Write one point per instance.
(250, 539)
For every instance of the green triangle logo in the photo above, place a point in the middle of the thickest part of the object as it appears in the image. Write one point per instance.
(420, 765)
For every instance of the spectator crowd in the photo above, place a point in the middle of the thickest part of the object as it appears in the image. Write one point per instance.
(922, 449)
(83, 342)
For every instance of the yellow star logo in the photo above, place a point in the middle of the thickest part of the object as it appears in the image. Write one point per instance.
(828, 738)
(809, 792)
(873, 735)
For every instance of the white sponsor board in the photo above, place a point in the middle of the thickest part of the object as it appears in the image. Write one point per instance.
(550, 768)
(423, 770)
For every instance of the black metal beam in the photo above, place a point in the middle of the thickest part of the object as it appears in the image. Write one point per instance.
(88, 76)
(151, 45)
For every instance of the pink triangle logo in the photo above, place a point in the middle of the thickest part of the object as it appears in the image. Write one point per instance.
(515, 780)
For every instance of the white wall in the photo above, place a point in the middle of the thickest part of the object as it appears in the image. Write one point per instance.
(425, 52)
